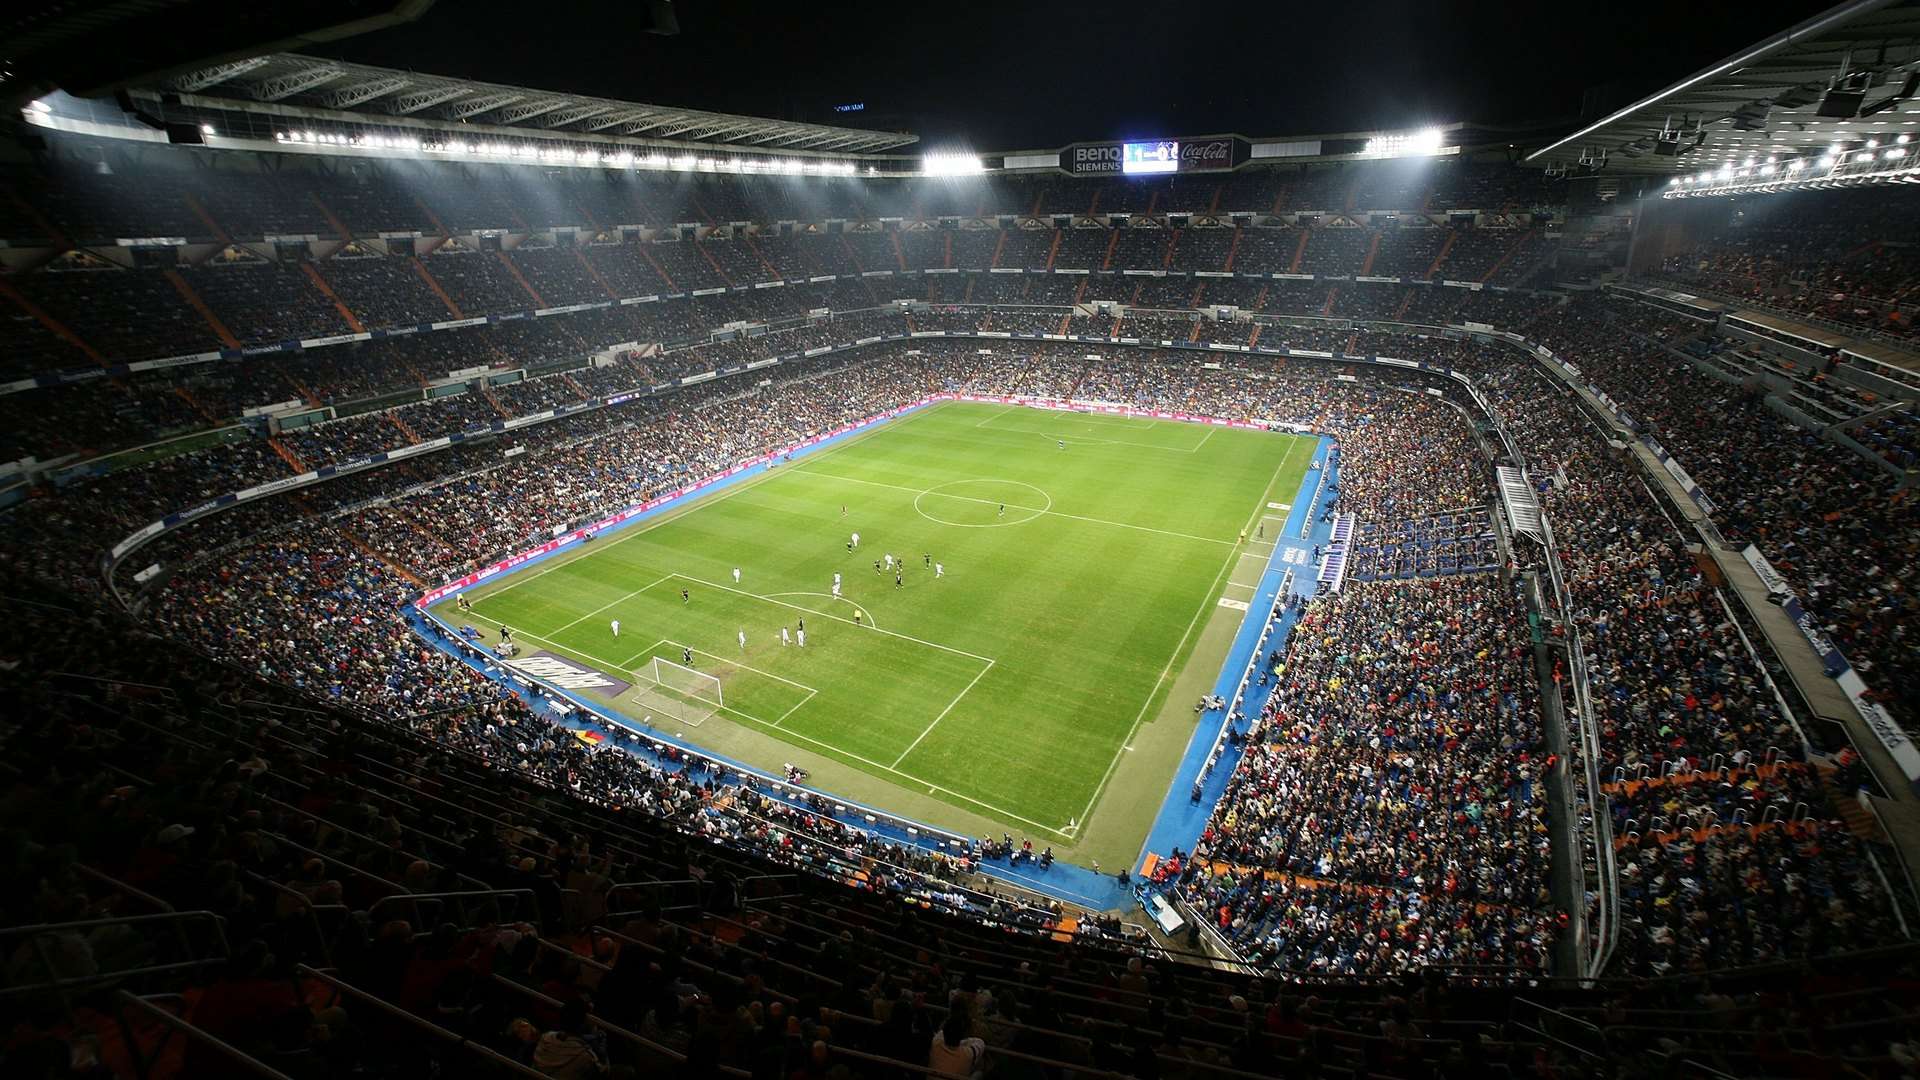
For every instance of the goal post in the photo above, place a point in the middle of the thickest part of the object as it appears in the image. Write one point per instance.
(684, 681)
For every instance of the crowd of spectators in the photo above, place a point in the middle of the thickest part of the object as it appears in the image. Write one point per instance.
(1389, 810)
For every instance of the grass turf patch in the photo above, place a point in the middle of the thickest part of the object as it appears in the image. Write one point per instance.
(1081, 552)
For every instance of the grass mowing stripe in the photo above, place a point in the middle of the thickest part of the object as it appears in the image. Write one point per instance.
(1014, 684)
(1207, 603)
(1035, 510)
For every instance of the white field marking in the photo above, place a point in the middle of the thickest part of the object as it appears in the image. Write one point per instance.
(690, 502)
(605, 606)
(1204, 608)
(830, 596)
(1237, 585)
(1037, 511)
(746, 667)
(996, 524)
(1061, 436)
(943, 714)
(811, 692)
(837, 618)
(1230, 602)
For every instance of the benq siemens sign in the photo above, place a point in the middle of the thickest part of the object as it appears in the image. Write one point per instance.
(1213, 153)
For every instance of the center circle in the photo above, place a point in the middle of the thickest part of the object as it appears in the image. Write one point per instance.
(982, 504)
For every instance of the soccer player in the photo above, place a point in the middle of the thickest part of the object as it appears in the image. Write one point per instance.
(683, 596)
(876, 567)
(465, 604)
(505, 634)
(686, 655)
(896, 579)
(926, 559)
(801, 634)
(1003, 510)
(616, 628)
(1063, 444)
(939, 570)
(785, 638)
(856, 616)
(889, 559)
(736, 575)
(843, 509)
(743, 641)
(856, 539)
(836, 590)
(836, 578)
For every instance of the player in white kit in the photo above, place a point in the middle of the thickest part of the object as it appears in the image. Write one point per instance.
(743, 641)
(785, 639)
(736, 575)
(616, 628)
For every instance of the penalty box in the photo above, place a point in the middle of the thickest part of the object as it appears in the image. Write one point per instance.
(873, 693)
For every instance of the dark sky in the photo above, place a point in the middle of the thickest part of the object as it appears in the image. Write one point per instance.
(990, 75)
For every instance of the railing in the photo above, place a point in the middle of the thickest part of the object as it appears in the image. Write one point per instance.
(435, 903)
(432, 1031)
(55, 971)
(231, 1052)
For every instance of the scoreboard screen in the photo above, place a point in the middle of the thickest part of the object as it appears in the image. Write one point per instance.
(1150, 157)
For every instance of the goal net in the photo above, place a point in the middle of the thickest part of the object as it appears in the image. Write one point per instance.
(678, 691)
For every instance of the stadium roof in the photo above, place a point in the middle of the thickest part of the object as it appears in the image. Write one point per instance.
(371, 94)
(1767, 99)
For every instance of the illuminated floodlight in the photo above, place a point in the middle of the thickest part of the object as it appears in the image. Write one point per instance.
(1895, 154)
(1766, 170)
(40, 106)
(951, 164)
(1863, 156)
(1423, 143)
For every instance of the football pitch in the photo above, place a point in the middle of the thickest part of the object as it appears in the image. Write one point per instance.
(1084, 558)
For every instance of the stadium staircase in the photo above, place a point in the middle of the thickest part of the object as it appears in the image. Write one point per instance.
(773, 272)
(1373, 252)
(1332, 295)
(53, 325)
(193, 403)
(333, 220)
(493, 399)
(701, 247)
(1859, 820)
(439, 228)
(1433, 271)
(594, 273)
(1333, 568)
(193, 300)
(306, 392)
(999, 246)
(199, 212)
(1173, 243)
(326, 289)
(30, 212)
(433, 285)
(1113, 242)
(1523, 508)
(406, 429)
(1519, 244)
(899, 257)
(525, 285)
(1233, 250)
(287, 455)
(646, 252)
(1299, 251)
(1053, 250)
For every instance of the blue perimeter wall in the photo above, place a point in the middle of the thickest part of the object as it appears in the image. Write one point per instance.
(1180, 820)
(1182, 817)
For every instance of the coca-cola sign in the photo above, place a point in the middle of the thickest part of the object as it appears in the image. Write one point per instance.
(1208, 154)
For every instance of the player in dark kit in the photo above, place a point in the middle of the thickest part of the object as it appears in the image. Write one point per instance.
(686, 656)
(683, 596)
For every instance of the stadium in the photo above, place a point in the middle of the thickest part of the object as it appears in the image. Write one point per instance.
(505, 579)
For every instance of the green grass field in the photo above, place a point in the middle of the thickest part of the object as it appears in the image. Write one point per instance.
(1008, 690)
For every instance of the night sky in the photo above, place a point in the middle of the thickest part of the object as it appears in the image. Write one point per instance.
(989, 75)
